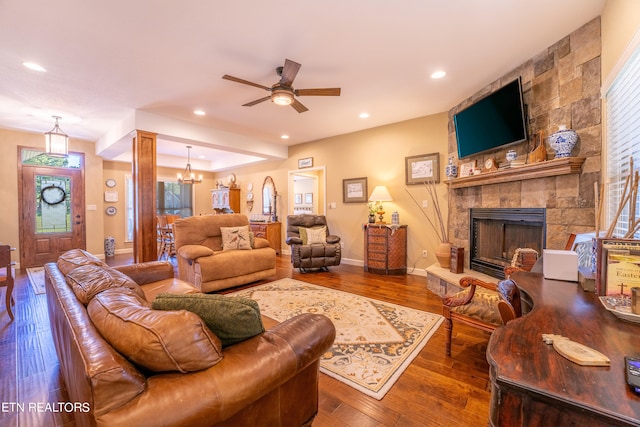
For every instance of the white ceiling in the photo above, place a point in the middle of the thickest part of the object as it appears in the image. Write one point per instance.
(109, 63)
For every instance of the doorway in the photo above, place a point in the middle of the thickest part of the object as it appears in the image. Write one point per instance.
(51, 205)
(307, 191)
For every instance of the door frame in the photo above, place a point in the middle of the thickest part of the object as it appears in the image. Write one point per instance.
(78, 207)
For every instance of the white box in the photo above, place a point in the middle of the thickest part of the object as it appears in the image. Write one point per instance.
(560, 265)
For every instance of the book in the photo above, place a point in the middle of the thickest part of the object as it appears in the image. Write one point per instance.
(623, 271)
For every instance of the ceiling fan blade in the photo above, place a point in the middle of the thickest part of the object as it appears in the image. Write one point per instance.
(244, 82)
(257, 101)
(333, 91)
(289, 72)
(297, 105)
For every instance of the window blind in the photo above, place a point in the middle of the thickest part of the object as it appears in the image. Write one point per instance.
(623, 139)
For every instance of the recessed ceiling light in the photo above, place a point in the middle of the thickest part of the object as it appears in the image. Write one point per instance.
(284, 136)
(364, 115)
(199, 113)
(201, 156)
(35, 67)
(438, 75)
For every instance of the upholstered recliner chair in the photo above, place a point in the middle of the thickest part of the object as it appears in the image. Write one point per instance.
(312, 245)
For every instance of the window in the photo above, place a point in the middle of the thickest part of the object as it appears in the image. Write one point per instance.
(623, 141)
(174, 198)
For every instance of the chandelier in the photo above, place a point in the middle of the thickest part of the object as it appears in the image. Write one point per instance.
(188, 177)
(56, 141)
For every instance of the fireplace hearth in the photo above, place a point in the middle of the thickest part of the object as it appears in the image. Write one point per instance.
(496, 234)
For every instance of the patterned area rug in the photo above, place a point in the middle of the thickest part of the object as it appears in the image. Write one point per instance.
(36, 278)
(375, 340)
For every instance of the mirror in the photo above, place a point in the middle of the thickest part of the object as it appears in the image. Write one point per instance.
(268, 194)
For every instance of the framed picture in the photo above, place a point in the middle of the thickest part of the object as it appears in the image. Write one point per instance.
(308, 198)
(354, 190)
(307, 162)
(298, 199)
(422, 168)
(466, 169)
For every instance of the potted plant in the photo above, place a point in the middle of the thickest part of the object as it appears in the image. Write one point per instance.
(443, 251)
(372, 212)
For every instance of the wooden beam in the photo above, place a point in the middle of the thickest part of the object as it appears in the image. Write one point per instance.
(144, 197)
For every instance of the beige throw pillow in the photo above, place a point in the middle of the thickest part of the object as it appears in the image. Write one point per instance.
(235, 238)
(313, 235)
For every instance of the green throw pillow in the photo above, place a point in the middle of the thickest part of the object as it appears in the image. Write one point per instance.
(232, 319)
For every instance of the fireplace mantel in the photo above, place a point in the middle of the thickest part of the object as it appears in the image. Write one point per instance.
(554, 167)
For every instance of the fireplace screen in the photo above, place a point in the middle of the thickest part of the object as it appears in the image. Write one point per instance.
(496, 234)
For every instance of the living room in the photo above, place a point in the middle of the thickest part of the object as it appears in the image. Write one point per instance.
(381, 153)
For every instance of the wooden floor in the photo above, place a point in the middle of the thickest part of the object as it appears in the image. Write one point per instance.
(435, 390)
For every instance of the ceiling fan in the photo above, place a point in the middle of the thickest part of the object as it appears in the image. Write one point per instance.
(282, 93)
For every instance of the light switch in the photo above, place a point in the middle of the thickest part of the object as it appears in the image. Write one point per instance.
(332, 205)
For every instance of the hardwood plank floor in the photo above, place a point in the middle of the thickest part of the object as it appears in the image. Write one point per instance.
(435, 390)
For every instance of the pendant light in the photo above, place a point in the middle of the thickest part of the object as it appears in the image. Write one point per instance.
(188, 177)
(56, 141)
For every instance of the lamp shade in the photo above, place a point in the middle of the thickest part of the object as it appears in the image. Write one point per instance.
(380, 194)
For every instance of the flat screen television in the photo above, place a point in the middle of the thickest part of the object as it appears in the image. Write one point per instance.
(494, 121)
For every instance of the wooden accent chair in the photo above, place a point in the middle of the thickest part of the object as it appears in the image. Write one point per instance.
(482, 305)
(6, 276)
(166, 238)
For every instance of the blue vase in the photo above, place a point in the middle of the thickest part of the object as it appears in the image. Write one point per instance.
(451, 170)
(563, 141)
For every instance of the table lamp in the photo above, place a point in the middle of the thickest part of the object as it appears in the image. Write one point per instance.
(380, 194)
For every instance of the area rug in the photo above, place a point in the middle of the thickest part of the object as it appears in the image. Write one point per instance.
(375, 340)
(36, 278)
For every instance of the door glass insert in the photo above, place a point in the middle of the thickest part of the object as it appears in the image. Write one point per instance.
(53, 204)
(34, 157)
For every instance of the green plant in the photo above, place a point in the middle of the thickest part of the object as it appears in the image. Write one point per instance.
(372, 208)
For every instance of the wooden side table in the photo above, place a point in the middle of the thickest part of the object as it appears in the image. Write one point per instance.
(385, 249)
(269, 231)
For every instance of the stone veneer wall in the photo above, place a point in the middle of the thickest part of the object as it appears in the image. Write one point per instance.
(561, 85)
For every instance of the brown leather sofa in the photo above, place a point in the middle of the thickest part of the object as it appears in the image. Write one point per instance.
(270, 379)
(203, 262)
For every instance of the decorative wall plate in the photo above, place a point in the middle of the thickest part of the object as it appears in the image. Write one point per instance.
(111, 210)
(110, 183)
(249, 196)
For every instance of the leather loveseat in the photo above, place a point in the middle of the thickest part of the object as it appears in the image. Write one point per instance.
(270, 379)
(205, 263)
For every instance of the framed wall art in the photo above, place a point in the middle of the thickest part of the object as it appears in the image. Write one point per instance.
(308, 198)
(422, 168)
(354, 190)
(298, 198)
(307, 162)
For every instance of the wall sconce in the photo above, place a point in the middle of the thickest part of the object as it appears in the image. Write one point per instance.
(380, 194)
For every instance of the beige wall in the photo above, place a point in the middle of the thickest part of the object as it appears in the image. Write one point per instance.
(9, 220)
(378, 154)
(620, 21)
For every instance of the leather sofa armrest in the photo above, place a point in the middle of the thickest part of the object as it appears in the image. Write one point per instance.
(293, 241)
(333, 239)
(148, 272)
(248, 371)
(259, 242)
(193, 252)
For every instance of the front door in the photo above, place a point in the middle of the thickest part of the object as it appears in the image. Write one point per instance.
(51, 192)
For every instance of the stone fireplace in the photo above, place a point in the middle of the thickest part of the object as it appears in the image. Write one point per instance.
(561, 85)
(496, 234)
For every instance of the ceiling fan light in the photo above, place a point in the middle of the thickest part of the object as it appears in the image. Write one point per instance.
(282, 97)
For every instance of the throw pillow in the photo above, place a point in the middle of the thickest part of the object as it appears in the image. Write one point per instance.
(313, 235)
(232, 319)
(159, 341)
(235, 238)
(89, 280)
